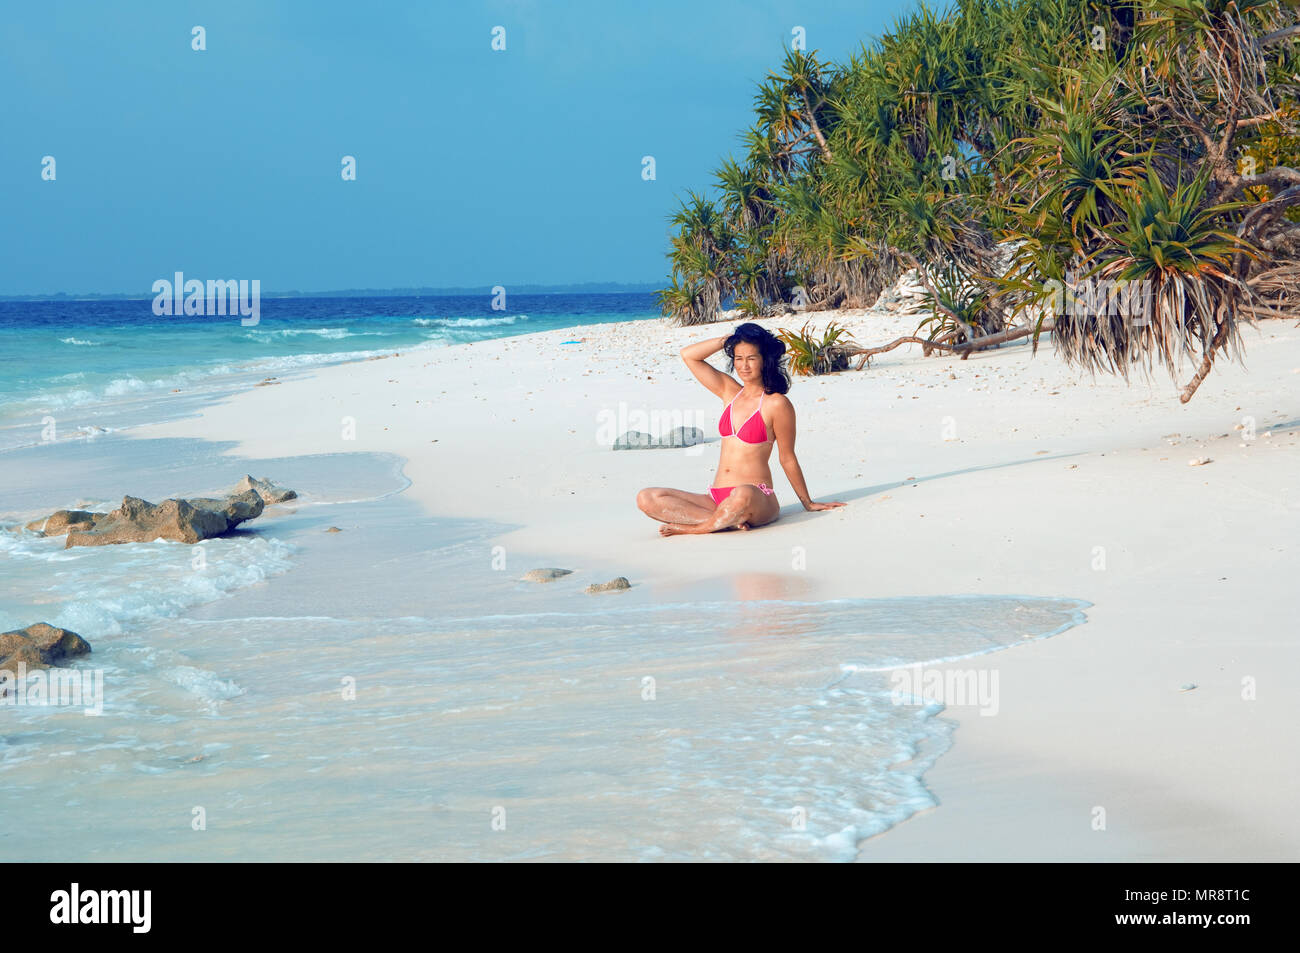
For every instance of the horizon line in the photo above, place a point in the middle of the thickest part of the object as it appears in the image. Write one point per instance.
(588, 287)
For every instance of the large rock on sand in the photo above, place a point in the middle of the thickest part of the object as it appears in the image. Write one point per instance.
(677, 437)
(39, 646)
(186, 521)
(268, 491)
(681, 437)
(634, 440)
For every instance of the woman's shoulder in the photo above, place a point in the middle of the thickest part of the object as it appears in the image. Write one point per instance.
(729, 389)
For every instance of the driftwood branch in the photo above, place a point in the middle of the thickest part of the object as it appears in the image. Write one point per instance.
(1255, 121)
(1277, 177)
(965, 348)
(1001, 337)
(866, 353)
(1277, 36)
(1261, 311)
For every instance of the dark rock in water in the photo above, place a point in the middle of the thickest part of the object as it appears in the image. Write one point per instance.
(55, 644)
(139, 521)
(677, 437)
(10, 642)
(615, 584)
(60, 521)
(235, 508)
(268, 491)
(24, 654)
(186, 521)
(39, 646)
(544, 575)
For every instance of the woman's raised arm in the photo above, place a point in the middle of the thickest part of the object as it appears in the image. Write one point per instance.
(705, 373)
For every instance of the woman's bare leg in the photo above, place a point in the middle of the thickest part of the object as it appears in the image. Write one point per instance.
(675, 506)
(744, 507)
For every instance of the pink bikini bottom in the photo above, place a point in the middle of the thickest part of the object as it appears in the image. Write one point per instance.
(720, 493)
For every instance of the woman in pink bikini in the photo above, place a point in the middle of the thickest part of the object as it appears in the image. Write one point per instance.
(741, 495)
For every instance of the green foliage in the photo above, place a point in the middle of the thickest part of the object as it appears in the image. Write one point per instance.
(1161, 230)
(1003, 145)
(812, 355)
(960, 306)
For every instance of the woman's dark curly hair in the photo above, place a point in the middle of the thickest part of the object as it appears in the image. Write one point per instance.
(776, 379)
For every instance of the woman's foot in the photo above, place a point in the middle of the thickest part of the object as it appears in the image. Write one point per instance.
(678, 529)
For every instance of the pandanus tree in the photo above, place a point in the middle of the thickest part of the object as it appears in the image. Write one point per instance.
(1136, 179)
(741, 255)
(700, 276)
(1009, 149)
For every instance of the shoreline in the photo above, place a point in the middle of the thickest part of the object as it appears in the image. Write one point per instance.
(1182, 775)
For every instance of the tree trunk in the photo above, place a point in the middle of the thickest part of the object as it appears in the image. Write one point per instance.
(1207, 362)
(817, 130)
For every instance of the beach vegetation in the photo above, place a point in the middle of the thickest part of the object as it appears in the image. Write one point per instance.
(810, 354)
(1005, 148)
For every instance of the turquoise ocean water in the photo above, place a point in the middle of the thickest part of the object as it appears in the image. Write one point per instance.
(97, 365)
(392, 691)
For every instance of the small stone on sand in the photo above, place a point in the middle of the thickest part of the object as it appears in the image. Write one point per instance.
(619, 582)
(544, 575)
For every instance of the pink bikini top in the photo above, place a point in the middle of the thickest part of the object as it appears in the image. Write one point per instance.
(752, 430)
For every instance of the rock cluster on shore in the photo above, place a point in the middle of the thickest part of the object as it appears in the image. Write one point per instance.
(677, 437)
(182, 520)
(39, 646)
(616, 584)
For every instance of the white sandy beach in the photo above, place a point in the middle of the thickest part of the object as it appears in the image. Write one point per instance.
(1001, 474)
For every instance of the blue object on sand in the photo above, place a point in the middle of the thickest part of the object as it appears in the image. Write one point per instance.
(570, 342)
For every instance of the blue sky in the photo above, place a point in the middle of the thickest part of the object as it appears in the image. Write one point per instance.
(473, 166)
